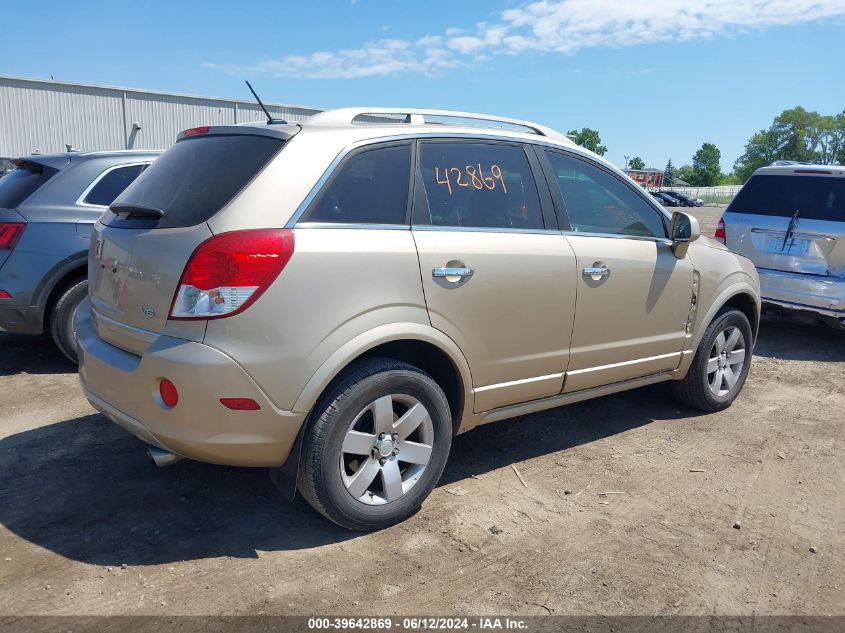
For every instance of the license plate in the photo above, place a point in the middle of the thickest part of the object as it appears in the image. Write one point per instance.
(795, 246)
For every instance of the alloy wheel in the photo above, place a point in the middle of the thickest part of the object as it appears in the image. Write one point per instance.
(726, 361)
(386, 449)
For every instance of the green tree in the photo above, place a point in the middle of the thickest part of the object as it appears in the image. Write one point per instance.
(590, 139)
(685, 173)
(795, 134)
(706, 169)
(669, 174)
(636, 163)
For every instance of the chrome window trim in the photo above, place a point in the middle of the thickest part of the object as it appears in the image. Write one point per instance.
(80, 201)
(617, 236)
(480, 136)
(482, 229)
(352, 225)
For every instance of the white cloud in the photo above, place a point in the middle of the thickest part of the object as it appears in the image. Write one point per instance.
(554, 26)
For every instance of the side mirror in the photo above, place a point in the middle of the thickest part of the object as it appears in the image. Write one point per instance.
(685, 229)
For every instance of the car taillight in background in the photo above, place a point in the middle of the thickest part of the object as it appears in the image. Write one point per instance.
(228, 272)
(720, 231)
(10, 233)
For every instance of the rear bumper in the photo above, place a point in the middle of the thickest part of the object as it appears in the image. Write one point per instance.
(20, 319)
(124, 388)
(813, 293)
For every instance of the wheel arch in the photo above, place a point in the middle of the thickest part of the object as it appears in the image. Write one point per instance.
(413, 343)
(57, 280)
(416, 344)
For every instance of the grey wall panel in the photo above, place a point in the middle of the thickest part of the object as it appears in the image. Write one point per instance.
(43, 116)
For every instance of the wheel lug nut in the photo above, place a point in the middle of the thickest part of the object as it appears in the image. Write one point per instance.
(382, 461)
(395, 436)
(395, 451)
(381, 436)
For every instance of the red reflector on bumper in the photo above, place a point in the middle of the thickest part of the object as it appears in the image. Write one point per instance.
(240, 404)
(168, 393)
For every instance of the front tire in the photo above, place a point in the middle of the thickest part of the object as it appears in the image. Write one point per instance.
(721, 364)
(377, 446)
(61, 317)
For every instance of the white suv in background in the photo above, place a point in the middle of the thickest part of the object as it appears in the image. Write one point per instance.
(789, 219)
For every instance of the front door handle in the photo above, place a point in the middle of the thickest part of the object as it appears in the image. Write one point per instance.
(596, 272)
(450, 273)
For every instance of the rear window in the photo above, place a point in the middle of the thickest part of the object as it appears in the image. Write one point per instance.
(814, 197)
(20, 183)
(195, 178)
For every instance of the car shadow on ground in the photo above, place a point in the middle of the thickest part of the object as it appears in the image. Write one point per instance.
(85, 490)
(31, 355)
(790, 338)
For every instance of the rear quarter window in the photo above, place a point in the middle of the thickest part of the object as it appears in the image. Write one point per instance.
(195, 179)
(111, 184)
(814, 197)
(371, 187)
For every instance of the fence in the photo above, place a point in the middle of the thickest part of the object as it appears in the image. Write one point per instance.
(711, 195)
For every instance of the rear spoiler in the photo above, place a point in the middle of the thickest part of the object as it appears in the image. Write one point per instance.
(280, 131)
(29, 165)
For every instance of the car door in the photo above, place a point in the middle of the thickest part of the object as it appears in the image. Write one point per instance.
(634, 295)
(498, 276)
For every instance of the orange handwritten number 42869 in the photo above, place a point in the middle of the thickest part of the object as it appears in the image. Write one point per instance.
(475, 177)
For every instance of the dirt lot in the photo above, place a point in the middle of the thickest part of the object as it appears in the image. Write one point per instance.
(88, 526)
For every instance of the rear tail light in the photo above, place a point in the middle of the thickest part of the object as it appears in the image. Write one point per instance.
(720, 231)
(228, 272)
(10, 233)
(5, 295)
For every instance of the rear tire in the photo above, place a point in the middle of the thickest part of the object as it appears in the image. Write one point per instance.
(375, 414)
(721, 364)
(61, 317)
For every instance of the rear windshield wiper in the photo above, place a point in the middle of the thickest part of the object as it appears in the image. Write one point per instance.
(790, 229)
(135, 211)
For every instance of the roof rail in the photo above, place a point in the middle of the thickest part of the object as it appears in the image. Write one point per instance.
(417, 116)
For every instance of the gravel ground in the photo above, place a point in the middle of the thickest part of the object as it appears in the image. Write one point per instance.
(737, 513)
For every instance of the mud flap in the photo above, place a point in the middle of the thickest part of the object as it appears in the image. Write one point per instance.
(285, 477)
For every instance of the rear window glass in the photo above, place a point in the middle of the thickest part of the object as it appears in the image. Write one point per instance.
(196, 178)
(112, 184)
(20, 183)
(814, 197)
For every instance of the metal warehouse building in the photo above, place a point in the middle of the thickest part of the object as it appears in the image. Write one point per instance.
(46, 116)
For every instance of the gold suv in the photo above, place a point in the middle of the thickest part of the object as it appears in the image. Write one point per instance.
(337, 298)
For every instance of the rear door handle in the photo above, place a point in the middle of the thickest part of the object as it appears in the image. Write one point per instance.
(461, 272)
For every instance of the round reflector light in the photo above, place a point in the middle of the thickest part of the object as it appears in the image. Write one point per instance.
(168, 393)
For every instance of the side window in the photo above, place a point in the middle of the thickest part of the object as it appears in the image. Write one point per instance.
(369, 188)
(479, 185)
(598, 202)
(112, 185)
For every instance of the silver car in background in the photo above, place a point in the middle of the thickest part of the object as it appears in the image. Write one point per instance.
(789, 219)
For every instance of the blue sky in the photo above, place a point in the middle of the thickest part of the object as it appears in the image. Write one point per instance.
(655, 77)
